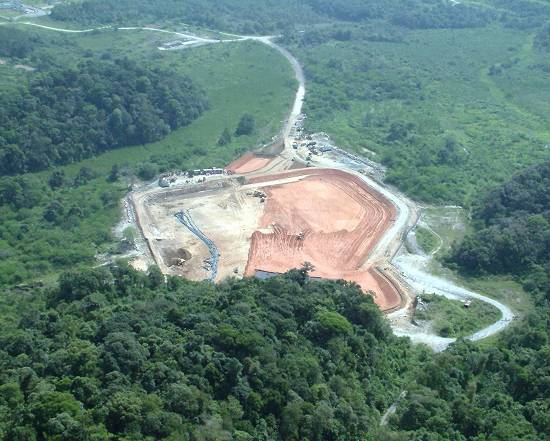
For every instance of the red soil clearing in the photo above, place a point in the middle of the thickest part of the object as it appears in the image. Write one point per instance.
(340, 220)
(248, 163)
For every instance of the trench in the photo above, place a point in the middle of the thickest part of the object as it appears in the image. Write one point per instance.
(185, 218)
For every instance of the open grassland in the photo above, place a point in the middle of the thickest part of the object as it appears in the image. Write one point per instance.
(238, 78)
(9, 14)
(451, 112)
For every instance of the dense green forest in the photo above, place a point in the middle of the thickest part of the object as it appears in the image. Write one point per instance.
(115, 354)
(512, 231)
(66, 115)
(18, 44)
(501, 392)
(471, 393)
(250, 16)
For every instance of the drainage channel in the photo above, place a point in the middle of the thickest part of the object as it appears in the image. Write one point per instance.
(185, 218)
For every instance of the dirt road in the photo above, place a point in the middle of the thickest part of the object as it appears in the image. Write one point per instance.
(413, 268)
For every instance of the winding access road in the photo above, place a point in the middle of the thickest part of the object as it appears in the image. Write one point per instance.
(412, 269)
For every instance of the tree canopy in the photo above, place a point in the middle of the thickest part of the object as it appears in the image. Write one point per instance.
(66, 115)
(113, 353)
(513, 234)
(265, 16)
(246, 125)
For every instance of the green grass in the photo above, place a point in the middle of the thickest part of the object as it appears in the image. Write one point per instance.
(449, 318)
(451, 224)
(426, 239)
(505, 290)
(436, 82)
(8, 14)
(47, 21)
(238, 78)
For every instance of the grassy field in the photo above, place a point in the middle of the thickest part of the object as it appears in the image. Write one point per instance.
(8, 14)
(449, 318)
(238, 78)
(426, 239)
(451, 112)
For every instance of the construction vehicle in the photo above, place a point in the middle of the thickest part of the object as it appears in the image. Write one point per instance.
(163, 182)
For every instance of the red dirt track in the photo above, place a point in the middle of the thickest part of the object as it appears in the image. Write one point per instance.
(248, 163)
(341, 220)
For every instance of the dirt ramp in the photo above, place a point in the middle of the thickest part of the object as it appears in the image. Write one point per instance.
(248, 163)
(385, 293)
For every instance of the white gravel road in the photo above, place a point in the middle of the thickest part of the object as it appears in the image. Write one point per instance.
(413, 267)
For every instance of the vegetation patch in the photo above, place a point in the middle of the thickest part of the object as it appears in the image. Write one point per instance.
(451, 318)
(431, 104)
(282, 359)
(513, 231)
(247, 16)
(63, 218)
(66, 115)
(426, 239)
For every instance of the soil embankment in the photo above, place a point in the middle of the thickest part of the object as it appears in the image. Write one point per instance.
(329, 218)
(248, 163)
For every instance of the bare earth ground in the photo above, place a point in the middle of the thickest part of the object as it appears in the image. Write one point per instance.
(248, 163)
(222, 210)
(327, 217)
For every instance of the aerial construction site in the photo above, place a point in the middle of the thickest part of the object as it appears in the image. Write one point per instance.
(300, 199)
(266, 224)
(267, 213)
(271, 211)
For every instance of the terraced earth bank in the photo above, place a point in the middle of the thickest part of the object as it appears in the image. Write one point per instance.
(329, 218)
